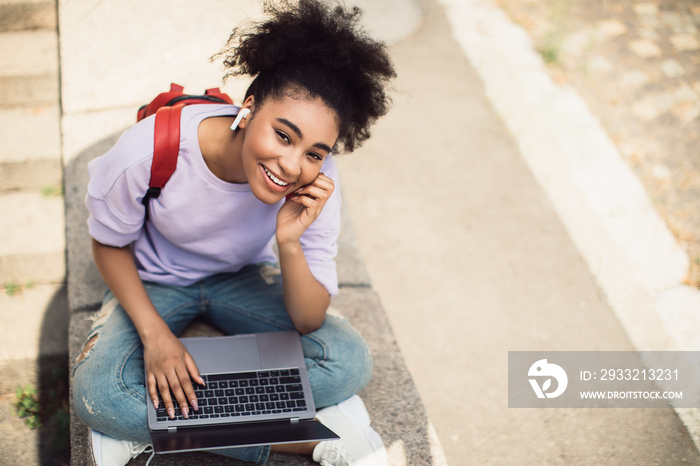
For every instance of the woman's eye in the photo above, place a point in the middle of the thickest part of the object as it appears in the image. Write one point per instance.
(282, 136)
(315, 156)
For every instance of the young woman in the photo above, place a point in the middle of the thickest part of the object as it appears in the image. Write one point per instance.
(247, 179)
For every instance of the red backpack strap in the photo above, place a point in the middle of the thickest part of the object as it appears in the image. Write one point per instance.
(166, 145)
(161, 100)
(177, 96)
(216, 93)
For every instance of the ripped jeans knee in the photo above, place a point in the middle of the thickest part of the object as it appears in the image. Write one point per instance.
(89, 345)
(107, 378)
(97, 322)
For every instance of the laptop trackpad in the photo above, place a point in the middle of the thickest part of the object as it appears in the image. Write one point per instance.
(263, 433)
(224, 354)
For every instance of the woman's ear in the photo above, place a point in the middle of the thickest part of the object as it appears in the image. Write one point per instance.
(247, 108)
(240, 118)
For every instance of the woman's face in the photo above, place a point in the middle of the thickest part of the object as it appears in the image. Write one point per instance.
(284, 144)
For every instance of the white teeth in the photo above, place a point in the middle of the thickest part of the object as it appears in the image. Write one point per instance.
(274, 178)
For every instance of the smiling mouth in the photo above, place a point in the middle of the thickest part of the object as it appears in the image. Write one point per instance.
(274, 179)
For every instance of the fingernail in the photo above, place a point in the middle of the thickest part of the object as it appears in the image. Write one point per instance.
(185, 412)
(193, 402)
(171, 413)
(155, 403)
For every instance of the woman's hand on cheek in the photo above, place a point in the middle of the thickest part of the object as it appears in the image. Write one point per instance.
(302, 207)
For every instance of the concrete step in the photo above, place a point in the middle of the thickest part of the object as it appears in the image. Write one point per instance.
(28, 53)
(31, 174)
(29, 68)
(35, 322)
(22, 443)
(28, 90)
(34, 329)
(34, 352)
(32, 240)
(19, 444)
(30, 155)
(27, 15)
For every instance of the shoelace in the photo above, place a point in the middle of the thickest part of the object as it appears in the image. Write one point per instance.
(150, 450)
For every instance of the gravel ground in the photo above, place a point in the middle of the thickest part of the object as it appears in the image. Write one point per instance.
(637, 65)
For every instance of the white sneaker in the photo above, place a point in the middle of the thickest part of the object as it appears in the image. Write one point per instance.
(108, 451)
(359, 444)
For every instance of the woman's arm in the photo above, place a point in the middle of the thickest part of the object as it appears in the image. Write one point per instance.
(305, 298)
(168, 364)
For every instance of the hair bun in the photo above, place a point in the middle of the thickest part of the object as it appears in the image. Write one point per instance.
(305, 37)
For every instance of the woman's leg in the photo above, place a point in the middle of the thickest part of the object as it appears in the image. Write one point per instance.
(108, 380)
(338, 361)
(108, 384)
(109, 391)
(250, 301)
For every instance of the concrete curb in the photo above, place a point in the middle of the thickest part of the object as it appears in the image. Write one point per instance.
(606, 211)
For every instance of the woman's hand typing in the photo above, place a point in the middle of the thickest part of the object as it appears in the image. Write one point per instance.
(170, 371)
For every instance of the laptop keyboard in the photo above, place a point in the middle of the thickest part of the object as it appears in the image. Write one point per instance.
(239, 394)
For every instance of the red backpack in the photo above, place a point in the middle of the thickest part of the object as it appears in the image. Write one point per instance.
(167, 107)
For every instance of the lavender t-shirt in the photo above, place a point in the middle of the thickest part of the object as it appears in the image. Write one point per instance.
(200, 225)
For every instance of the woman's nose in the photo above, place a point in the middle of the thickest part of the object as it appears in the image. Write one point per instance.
(290, 164)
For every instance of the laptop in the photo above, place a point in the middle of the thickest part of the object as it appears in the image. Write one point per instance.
(257, 392)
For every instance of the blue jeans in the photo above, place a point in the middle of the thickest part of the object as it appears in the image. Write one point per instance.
(109, 390)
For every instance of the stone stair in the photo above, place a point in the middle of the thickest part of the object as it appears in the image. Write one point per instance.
(33, 303)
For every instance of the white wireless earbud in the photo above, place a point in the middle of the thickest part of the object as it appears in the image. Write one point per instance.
(241, 114)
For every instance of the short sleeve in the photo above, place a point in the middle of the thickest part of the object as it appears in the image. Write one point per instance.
(118, 181)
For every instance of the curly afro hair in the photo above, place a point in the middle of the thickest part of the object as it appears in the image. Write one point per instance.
(310, 49)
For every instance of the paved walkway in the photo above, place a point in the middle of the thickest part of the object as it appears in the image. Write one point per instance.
(494, 245)
(476, 242)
